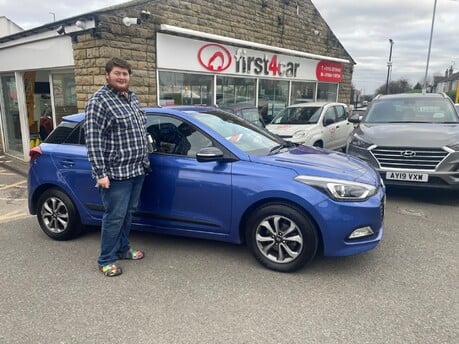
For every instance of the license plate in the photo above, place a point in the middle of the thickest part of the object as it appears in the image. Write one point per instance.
(407, 176)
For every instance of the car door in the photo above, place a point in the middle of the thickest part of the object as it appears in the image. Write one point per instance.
(343, 126)
(335, 126)
(180, 193)
(74, 169)
(329, 127)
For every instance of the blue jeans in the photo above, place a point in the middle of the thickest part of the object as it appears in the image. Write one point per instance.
(119, 200)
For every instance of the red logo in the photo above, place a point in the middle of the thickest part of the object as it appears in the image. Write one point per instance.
(329, 71)
(214, 57)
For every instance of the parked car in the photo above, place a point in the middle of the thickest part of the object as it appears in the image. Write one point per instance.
(323, 124)
(457, 107)
(245, 110)
(410, 139)
(235, 182)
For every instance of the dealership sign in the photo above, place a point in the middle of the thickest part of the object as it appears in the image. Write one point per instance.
(180, 53)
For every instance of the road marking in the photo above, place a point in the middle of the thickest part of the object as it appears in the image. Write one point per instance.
(13, 185)
(14, 215)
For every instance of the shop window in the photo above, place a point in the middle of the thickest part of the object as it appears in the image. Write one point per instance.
(327, 92)
(64, 93)
(231, 90)
(272, 97)
(184, 89)
(303, 92)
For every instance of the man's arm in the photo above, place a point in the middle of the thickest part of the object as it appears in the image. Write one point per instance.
(94, 127)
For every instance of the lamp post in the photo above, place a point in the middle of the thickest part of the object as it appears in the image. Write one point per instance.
(389, 65)
(424, 87)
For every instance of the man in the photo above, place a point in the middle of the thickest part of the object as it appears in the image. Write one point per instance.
(117, 149)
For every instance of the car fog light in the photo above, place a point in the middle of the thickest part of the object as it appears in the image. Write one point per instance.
(361, 232)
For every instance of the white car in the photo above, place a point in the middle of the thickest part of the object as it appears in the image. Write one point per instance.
(322, 124)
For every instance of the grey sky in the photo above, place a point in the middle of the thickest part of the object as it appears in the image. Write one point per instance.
(363, 27)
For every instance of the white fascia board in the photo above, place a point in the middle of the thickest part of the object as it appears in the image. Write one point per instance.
(50, 53)
(51, 33)
(240, 42)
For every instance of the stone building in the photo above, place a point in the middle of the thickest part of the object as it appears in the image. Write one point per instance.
(269, 53)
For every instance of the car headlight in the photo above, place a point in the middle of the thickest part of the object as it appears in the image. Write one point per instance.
(340, 190)
(357, 141)
(454, 147)
(300, 134)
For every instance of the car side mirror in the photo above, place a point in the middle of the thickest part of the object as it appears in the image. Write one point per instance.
(355, 118)
(207, 154)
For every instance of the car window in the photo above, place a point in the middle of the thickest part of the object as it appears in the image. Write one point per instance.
(298, 115)
(341, 113)
(329, 116)
(239, 132)
(67, 133)
(174, 136)
(418, 110)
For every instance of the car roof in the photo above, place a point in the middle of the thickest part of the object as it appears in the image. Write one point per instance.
(410, 95)
(316, 104)
(78, 117)
(238, 106)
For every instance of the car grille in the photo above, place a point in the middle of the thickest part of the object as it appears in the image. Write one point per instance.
(409, 157)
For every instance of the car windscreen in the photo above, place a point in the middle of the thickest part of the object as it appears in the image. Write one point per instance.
(413, 110)
(239, 132)
(298, 115)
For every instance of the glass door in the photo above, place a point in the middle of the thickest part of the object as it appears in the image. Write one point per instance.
(11, 120)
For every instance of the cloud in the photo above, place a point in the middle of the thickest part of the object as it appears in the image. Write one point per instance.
(364, 29)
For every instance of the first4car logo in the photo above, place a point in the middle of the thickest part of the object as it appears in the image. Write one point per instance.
(214, 57)
(217, 58)
(264, 65)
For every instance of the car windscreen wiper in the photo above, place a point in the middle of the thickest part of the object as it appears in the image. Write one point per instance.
(278, 148)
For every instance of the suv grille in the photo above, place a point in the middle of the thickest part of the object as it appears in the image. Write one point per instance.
(409, 157)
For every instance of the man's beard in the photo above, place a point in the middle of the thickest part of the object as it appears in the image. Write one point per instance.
(119, 88)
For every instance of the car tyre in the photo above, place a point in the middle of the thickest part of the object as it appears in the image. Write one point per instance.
(281, 237)
(57, 215)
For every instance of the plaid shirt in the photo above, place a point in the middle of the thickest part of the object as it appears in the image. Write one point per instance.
(115, 134)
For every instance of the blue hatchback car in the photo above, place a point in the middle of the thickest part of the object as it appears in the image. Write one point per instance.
(217, 176)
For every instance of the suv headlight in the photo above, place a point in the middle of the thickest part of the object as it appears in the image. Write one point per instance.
(454, 147)
(340, 190)
(357, 141)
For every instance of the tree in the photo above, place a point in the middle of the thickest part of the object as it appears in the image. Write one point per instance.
(399, 86)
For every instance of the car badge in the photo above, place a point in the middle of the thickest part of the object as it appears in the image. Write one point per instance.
(408, 154)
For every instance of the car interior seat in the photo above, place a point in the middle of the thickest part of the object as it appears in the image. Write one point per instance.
(384, 112)
(172, 140)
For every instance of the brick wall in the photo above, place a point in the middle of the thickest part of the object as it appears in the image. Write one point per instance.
(241, 19)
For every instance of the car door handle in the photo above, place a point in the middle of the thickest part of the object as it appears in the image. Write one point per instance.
(67, 163)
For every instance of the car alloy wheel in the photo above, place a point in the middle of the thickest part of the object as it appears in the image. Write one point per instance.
(57, 215)
(281, 237)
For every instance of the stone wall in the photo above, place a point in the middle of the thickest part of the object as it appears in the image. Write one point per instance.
(282, 23)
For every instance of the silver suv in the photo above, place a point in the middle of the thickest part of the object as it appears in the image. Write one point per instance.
(410, 139)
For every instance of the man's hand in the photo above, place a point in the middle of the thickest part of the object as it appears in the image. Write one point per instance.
(103, 182)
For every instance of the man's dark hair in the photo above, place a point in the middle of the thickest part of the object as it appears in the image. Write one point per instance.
(117, 62)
